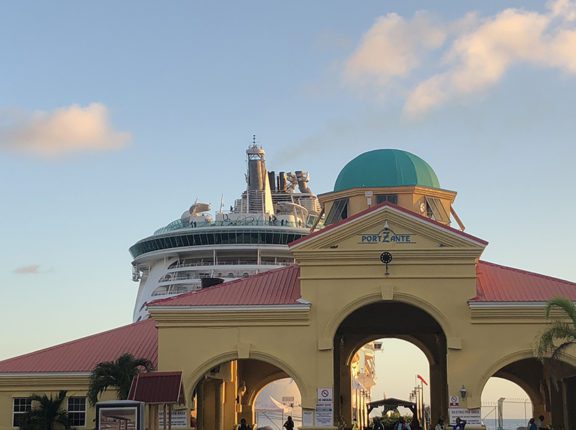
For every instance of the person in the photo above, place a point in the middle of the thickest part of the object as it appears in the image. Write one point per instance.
(377, 424)
(532, 424)
(289, 424)
(354, 425)
(402, 425)
(440, 425)
(243, 425)
(460, 424)
(540, 423)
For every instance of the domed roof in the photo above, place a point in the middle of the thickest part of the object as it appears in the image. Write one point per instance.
(386, 168)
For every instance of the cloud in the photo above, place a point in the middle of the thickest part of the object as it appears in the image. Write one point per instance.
(65, 130)
(392, 48)
(474, 56)
(33, 269)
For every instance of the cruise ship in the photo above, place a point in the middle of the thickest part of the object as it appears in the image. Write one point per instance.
(200, 249)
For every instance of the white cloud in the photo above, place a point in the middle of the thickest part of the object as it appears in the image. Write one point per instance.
(69, 129)
(476, 54)
(392, 48)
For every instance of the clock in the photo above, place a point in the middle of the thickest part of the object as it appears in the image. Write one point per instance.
(422, 207)
(385, 257)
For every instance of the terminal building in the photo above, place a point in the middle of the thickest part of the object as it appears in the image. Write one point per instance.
(390, 261)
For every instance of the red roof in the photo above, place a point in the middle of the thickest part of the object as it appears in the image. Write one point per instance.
(495, 283)
(380, 206)
(275, 287)
(82, 355)
(158, 388)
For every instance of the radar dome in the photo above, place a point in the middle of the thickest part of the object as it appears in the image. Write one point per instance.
(386, 168)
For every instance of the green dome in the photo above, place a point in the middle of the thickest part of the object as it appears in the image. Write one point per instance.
(386, 168)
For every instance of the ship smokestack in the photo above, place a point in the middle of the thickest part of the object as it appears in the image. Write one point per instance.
(303, 178)
(272, 181)
(282, 182)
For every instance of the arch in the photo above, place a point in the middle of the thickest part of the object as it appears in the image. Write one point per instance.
(410, 339)
(331, 327)
(533, 395)
(224, 357)
(264, 382)
(509, 359)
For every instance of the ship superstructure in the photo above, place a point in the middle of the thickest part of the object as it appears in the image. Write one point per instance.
(199, 249)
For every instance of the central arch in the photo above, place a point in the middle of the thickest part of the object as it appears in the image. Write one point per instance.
(389, 319)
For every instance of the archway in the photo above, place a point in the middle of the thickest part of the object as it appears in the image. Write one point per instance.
(505, 404)
(387, 319)
(226, 393)
(550, 386)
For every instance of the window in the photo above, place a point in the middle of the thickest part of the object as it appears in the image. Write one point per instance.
(435, 210)
(338, 211)
(391, 198)
(77, 411)
(21, 405)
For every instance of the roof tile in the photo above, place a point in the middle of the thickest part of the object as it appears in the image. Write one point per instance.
(82, 355)
(275, 287)
(496, 283)
(157, 388)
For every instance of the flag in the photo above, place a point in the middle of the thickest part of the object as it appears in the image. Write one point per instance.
(422, 379)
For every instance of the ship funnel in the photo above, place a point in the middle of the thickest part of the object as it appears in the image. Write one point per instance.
(303, 178)
(282, 182)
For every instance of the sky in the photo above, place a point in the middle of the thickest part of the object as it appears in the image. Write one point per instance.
(116, 116)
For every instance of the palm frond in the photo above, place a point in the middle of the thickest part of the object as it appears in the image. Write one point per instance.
(565, 305)
(117, 374)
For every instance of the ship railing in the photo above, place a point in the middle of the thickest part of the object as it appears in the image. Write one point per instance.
(272, 221)
(232, 262)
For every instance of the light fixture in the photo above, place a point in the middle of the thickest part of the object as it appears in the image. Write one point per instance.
(241, 391)
(463, 391)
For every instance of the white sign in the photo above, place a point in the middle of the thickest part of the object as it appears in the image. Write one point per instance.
(324, 394)
(179, 418)
(471, 416)
(324, 407)
(307, 417)
(454, 401)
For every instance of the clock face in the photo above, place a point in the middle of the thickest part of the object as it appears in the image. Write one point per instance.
(385, 257)
(422, 207)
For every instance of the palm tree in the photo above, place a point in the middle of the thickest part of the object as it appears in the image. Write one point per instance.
(46, 413)
(561, 334)
(117, 374)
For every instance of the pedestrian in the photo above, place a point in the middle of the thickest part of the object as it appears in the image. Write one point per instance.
(402, 424)
(440, 425)
(460, 424)
(243, 425)
(532, 424)
(289, 424)
(354, 425)
(540, 423)
(377, 424)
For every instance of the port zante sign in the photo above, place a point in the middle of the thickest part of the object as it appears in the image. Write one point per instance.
(387, 235)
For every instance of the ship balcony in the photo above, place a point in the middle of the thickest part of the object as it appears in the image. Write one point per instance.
(182, 265)
(174, 289)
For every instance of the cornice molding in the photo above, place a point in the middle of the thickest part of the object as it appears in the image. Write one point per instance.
(231, 316)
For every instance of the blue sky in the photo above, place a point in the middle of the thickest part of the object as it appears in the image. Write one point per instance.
(116, 116)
